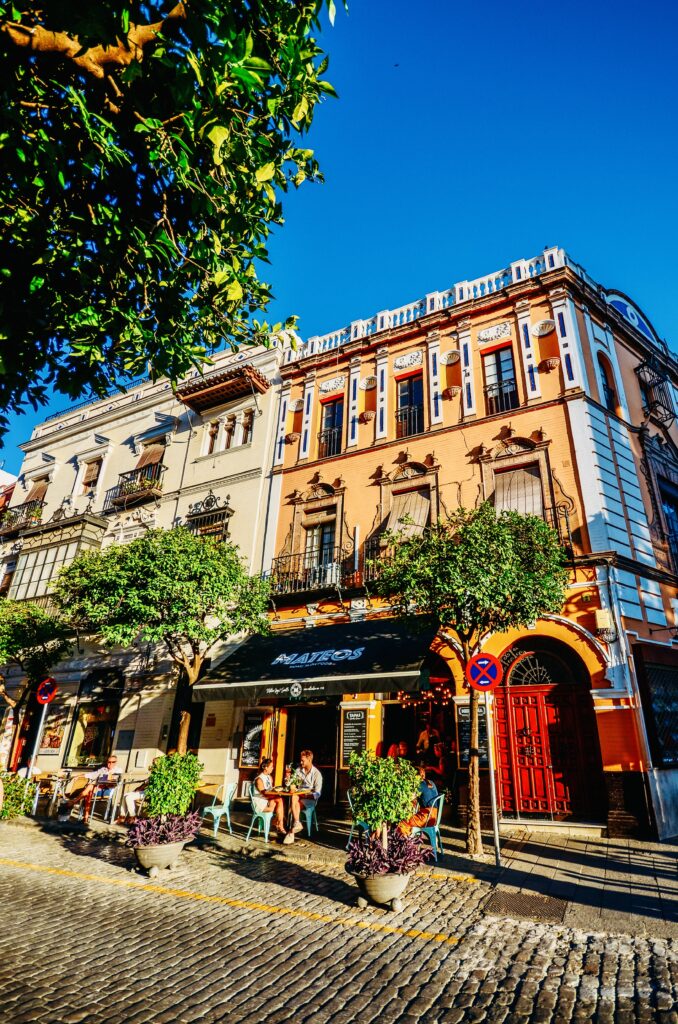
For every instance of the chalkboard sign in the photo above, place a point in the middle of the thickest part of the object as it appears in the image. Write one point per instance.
(464, 735)
(353, 732)
(253, 733)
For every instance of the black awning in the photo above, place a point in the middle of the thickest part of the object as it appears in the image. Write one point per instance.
(370, 656)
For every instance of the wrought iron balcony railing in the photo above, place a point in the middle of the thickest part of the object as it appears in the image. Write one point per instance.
(21, 517)
(136, 486)
(311, 570)
(329, 442)
(409, 420)
(559, 519)
(501, 397)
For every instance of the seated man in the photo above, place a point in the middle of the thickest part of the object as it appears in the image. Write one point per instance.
(310, 778)
(107, 774)
(263, 783)
(426, 813)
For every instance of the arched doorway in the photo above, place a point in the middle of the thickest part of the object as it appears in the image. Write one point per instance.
(549, 763)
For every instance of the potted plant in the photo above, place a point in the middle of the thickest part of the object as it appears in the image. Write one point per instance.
(382, 793)
(160, 834)
(17, 795)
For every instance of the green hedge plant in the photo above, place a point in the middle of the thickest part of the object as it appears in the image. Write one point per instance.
(382, 790)
(172, 784)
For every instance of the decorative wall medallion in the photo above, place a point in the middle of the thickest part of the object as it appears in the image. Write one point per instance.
(550, 364)
(292, 436)
(368, 383)
(333, 384)
(297, 405)
(367, 416)
(411, 359)
(542, 327)
(451, 357)
(451, 392)
(495, 333)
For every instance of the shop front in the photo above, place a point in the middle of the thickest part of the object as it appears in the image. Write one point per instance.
(328, 689)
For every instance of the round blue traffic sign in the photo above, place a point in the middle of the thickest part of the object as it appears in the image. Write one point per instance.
(484, 672)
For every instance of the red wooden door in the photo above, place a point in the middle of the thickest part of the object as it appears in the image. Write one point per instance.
(547, 752)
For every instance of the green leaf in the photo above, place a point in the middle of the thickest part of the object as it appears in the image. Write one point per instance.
(234, 292)
(265, 173)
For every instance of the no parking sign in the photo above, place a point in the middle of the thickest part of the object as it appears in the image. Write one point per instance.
(484, 672)
(47, 691)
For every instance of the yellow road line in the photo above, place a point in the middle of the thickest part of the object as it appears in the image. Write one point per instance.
(187, 894)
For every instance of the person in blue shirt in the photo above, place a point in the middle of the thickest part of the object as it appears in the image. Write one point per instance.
(425, 813)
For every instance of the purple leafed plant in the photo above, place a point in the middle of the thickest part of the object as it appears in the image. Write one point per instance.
(163, 829)
(366, 855)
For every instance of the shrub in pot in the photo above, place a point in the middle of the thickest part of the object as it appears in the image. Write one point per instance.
(382, 793)
(18, 795)
(159, 836)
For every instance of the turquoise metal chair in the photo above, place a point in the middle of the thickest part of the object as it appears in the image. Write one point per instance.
(362, 826)
(218, 810)
(264, 818)
(310, 817)
(433, 830)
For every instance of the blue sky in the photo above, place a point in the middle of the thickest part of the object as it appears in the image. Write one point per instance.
(467, 136)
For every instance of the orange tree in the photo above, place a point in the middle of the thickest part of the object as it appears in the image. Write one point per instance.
(476, 573)
(168, 587)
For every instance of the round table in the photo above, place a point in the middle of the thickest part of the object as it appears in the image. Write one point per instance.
(303, 794)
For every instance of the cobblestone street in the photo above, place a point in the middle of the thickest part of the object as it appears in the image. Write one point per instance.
(235, 939)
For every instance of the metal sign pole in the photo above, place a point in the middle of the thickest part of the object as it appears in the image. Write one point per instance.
(36, 748)
(489, 725)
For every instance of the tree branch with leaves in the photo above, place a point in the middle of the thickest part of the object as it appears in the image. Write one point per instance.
(145, 150)
(476, 573)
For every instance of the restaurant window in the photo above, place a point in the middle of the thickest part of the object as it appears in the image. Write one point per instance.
(96, 716)
(329, 438)
(229, 432)
(91, 475)
(519, 490)
(37, 570)
(248, 426)
(38, 489)
(501, 393)
(212, 433)
(410, 411)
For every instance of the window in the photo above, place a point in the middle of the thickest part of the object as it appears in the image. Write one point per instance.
(96, 716)
(319, 545)
(501, 393)
(248, 426)
(91, 475)
(38, 489)
(609, 395)
(669, 500)
(412, 506)
(36, 570)
(410, 411)
(655, 391)
(152, 455)
(661, 686)
(212, 432)
(329, 438)
(519, 490)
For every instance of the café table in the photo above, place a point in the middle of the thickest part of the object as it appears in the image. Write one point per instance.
(286, 793)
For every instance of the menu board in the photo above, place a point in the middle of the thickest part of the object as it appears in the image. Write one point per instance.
(353, 732)
(252, 737)
(464, 735)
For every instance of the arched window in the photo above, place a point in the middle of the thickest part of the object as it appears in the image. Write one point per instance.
(609, 394)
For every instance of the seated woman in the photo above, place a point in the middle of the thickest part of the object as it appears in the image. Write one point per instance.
(263, 783)
(426, 813)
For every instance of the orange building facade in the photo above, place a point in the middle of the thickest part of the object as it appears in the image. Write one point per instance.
(540, 391)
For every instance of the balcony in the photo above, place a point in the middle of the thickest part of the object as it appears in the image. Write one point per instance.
(501, 397)
(559, 519)
(135, 487)
(655, 389)
(210, 517)
(329, 442)
(21, 517)
(319, 570)
(409, 420)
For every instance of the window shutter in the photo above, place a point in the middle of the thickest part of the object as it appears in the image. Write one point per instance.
(151, 455)
(414, 504)
(92, 471)
(519, 490)
(38, 490)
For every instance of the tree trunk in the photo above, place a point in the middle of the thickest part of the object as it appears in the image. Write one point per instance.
(384, 836)
(474, 838)
(184, 726)
(192, 673)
